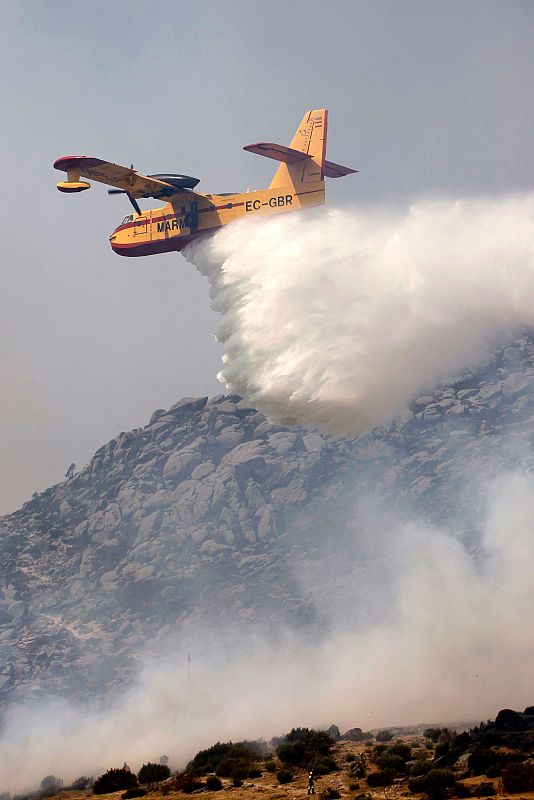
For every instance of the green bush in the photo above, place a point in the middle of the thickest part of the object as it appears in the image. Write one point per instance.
(239, 772)
(254, 772)
(437, 734)
(153, 773)
(270, 766)
(354, 786)
(518, 777)
(231, 767)
(83, 782)
(434, 784)
(401, 749)
(461, 741)
(50, 785)
(237, 782)
(213, 783)
(191, 783)
(350, 757)
(420, 767)
(292, 753)
(391, 761)
(284, 775)
(384, 736)
(442, 749)
(301, 746)
(227, 753)
(480, 759)
(185, 782)
(130, 793)
(383, 777)
(490, 762)
(322, 765)
(114, 780)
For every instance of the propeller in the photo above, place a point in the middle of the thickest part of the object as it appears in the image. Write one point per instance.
(132, 199)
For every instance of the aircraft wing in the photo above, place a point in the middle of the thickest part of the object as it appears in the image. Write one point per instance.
(127, 179)
(289, 156)
(277, 151)
(332, 170)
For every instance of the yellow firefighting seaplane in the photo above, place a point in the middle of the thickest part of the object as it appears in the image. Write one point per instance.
(186, 215)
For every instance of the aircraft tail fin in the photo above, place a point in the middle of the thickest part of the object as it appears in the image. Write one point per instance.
(304, 161)
(310, 141)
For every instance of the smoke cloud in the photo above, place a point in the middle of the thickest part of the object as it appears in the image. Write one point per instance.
(338, 318)
(453, 642)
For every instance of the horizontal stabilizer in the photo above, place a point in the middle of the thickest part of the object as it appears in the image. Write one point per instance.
(277, 151)
(332, 170)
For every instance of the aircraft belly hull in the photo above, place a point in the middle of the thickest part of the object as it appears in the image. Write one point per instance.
(173, 244)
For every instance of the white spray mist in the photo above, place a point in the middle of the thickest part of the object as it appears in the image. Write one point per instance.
(338, 318)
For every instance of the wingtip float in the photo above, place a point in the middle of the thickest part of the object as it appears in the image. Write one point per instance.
(186, 215)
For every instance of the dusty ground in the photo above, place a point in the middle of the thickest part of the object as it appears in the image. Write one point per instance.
(268, 788)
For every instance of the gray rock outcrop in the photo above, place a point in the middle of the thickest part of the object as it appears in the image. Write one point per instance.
(206, 512)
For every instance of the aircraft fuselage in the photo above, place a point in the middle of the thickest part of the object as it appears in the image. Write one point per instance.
(174, 225)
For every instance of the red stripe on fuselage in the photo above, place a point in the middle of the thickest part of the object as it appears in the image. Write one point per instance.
(165, 217)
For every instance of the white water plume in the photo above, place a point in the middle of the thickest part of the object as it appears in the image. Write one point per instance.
(338, 318)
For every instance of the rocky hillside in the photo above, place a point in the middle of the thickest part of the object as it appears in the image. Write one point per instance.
(206, 512)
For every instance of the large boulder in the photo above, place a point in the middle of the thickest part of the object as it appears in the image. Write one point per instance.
(508, 720)
(333, 732)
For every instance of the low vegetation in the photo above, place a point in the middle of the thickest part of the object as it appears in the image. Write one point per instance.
(384, 777)
(115, 780)
(491, 759)
(519, 777)
(227, 760)
(153, 773)
(50, 785)
(384, 736)
(303, 747)
(130, 793)
(83, 782)
(434, 784)
(186, 782)
(284, 775)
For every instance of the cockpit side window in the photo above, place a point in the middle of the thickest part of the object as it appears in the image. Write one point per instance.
(127, 219)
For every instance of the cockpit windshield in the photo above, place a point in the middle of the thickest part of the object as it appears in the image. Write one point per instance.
(127, 219)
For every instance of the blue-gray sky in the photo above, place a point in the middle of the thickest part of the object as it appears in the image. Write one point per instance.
(425, 96)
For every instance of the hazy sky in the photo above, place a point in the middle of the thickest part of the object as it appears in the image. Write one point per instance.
(425, 96)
